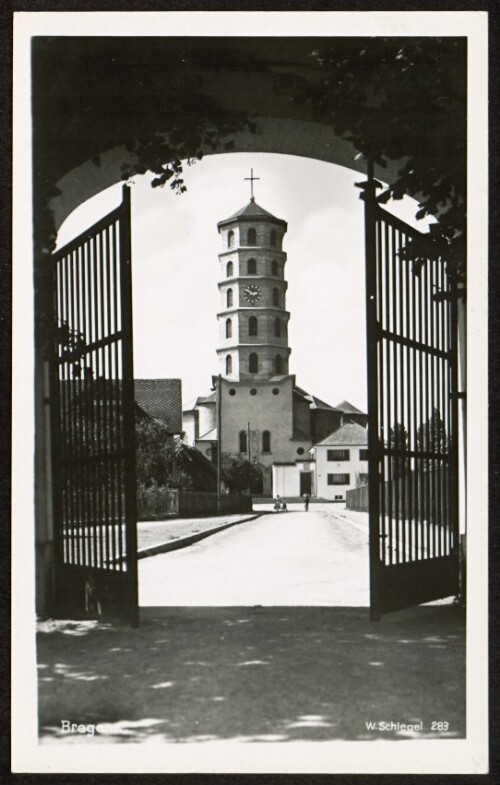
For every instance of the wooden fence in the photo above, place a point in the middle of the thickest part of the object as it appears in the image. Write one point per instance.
(422, 496)
(160, 503)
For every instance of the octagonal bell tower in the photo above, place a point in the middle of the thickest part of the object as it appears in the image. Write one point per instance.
(252, 316)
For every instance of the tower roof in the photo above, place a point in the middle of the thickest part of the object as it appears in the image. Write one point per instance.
(251, 212)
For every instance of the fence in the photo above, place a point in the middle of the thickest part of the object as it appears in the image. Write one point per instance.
(417, 496)
(157, 503)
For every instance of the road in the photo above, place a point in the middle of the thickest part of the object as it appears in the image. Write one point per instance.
(296, 558)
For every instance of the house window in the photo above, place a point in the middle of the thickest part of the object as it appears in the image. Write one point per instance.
(363, 455)
(252, 325)
(252, 237)
(272, 238)
(266, 441)
(253, 363)
(229, 298)
(278, 363)
(338, 479)
(337, 455)
(362, 479)
(229, 269)
(277, 328)
(243, 441)
(276, 296)
(229, 364)
(229, 328)
(274, 267)
(230, 238)
(252, 267)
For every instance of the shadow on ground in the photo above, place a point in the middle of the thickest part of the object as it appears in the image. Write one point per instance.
(253, 674)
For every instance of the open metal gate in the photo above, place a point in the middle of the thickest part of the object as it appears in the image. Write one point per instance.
(92, 405)
(413, 417)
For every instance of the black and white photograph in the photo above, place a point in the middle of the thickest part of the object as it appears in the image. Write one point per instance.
(250, 392)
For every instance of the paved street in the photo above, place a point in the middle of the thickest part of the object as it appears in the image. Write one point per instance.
(280, 559)
(267, 673)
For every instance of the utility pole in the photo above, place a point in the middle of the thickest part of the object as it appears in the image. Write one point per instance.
(219, 443)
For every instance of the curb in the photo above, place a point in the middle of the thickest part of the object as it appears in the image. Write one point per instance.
(185, 542)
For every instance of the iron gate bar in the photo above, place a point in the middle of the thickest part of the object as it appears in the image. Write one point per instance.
(412, 416)
(92, 396)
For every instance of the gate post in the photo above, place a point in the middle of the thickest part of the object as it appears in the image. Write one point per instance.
(368, 195)
(129, 406)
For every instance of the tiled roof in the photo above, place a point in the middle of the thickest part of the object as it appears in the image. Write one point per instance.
(348, 408)
(350, 434)
(250, 212)
(161, 399)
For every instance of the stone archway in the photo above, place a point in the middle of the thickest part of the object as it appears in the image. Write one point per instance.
(79, 148)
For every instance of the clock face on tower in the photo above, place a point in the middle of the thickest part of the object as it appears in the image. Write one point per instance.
(252, 293)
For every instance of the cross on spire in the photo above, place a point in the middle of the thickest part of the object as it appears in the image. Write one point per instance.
(252, 178)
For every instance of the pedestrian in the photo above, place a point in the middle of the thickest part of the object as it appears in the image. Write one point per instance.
(277, 503)
(306, 501)
(284, 508)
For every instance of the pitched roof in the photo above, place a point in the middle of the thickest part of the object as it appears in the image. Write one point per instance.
(190, 405)
(351, 433)
(315, 403)
(212, 398)
(210, 436)
(251, 212)
(161, 399)
(348, 408)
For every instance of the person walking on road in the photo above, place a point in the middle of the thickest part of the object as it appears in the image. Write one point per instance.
(306, 501)
(277, 503)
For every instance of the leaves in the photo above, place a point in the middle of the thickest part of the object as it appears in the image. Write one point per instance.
(400, 99)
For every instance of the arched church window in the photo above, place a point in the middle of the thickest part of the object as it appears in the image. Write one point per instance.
(229, 298)
(229, 364)
(252, 267)
(277, 328)
(252, 237)
(272, 238)
(243, 441)
(252, 325)
(274, 267)
(278, 363)
(230, 238)
(276, 296)
(229, 269)
(229, 328)
(253, 363)
(266, 441)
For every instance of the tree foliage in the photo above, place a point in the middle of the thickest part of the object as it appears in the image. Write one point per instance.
(160, 459)
(432, 438)
(240, 474)
(402, 100)
(399, 441)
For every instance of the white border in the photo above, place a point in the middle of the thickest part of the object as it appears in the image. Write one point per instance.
(448, 756)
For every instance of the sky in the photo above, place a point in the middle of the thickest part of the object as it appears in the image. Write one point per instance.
(175, 247)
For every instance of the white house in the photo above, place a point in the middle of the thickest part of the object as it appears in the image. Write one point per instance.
(341, 461)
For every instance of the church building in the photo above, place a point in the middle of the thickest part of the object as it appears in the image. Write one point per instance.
(264, 415)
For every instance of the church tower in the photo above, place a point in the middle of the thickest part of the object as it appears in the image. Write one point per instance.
(253, 320)
(262, 417)
(256, 411)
